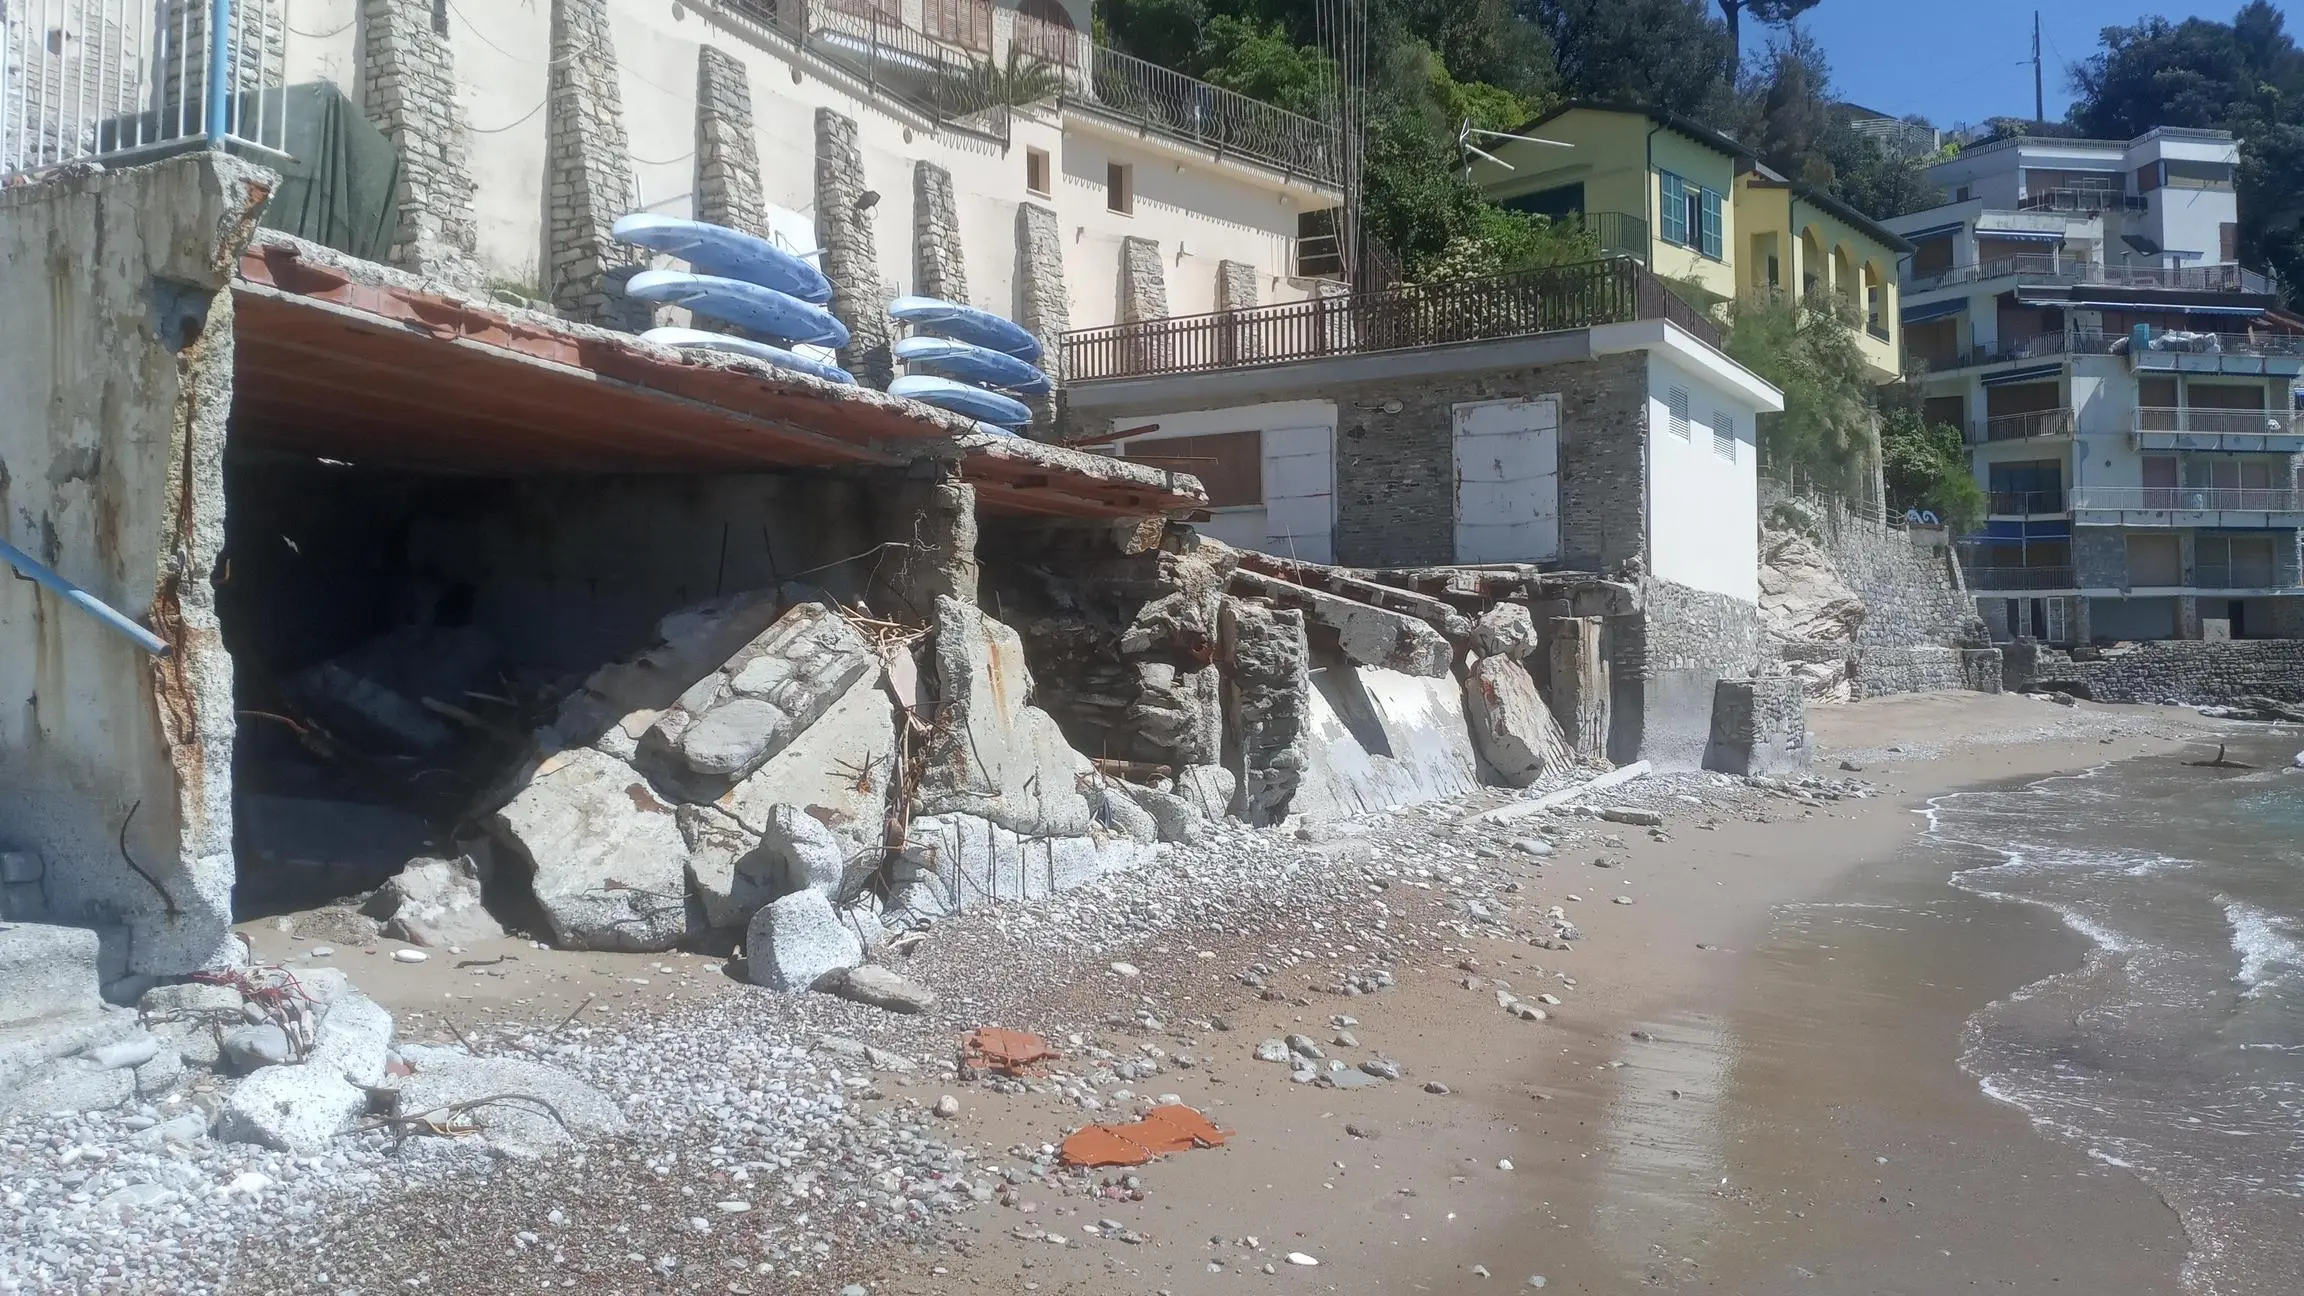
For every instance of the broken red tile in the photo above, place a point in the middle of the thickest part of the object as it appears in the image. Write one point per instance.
(1163, 1130)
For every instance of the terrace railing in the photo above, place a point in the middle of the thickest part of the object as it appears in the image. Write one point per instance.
(2081, 200)
(1987, 578)
(2189, 499)
(2035, 425)
(2026, 503)
(1504, 306)
(91, 80)
(1154, 98)
(2221, 422)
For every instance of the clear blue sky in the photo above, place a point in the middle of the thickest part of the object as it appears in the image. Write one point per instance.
(1966, 60)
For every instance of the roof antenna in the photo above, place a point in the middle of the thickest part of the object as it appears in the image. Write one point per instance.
(1467, 150)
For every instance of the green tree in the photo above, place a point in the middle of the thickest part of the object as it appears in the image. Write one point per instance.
(1925, 466)
(1667, 54)
(1789, 115)
(1767, 11)
(1257, 60)
(1825, 434)
(1877, 181)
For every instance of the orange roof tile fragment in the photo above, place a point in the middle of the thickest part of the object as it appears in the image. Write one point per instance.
(1163, 1130)
(996, 1048)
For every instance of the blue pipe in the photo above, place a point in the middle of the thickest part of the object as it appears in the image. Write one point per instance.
(88, 602)
(219, 62)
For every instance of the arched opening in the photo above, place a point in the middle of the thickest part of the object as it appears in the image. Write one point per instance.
(1844, 279)
(1812, 281)
(1876, 304)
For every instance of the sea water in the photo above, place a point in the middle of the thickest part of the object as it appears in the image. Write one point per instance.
(2177, 1048)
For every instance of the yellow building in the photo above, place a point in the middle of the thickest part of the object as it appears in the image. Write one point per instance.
(1698, 207)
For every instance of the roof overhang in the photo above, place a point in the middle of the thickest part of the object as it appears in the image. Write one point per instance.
(349, 360)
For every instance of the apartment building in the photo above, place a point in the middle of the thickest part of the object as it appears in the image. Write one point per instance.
(2125, 387)
(1700, 209)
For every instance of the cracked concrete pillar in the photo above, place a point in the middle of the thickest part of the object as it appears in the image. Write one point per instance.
(1042, 305)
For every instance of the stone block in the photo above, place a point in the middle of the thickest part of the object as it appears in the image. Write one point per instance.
(521, 1129)
(48, 972)
(604, 854)
(880, 988)
(727, 725)
(1174, 818)
(993, 754)
(1208, 788)
(1378, 739)
(435, 903)
(1759, 726)
(1116, 810)
(794, 940)
(1268, 703)
(1511, 725)
(294, 1109)
(840, 770)
(353, 1038)
(1505, 629)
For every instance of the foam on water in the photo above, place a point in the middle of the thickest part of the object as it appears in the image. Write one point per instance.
(2267, 950)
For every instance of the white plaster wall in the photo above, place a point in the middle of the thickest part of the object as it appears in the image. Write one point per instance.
(1314, 422)
(1703, 511)
(2192, 220)
(1199, 212)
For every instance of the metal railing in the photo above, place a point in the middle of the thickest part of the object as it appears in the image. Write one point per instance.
(869, 40)
(2189, 499)
(2080, 200)
(1982, 579)
(1514, 305)
(2185, 342)
(1619, 233)
(2221, 422)
(89, 80)
(2042, 267)
(2025, 503)
(2030, 426)
(2261, 573)
(1154, 98)
(2036, 347)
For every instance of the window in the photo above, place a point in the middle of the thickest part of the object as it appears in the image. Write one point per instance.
(2232, 561)
(1229, 464)
(1691, 214)
(1036, 170)
(2228, 241)
(1724, 435)
(1119, 187)
(1676, 405)
(1960, 194)
(440, 17)
(966, 23)
(2154, 560)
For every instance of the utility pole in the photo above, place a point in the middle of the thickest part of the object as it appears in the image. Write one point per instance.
(2039, 103)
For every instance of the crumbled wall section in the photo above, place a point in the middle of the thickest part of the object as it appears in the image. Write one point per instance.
(116, 349)
(2166, 670)
(1759, 726)
(588, 167)
(1267, 704)
(1042, 305)
(844, 231)
(1143, 280)
(408, 87)
(1664, 664)
(936, 234)
(727, 151)
(1235, 285)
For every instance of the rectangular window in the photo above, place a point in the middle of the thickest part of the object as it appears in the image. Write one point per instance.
(1229, 464)
(1724, 435)
(1676, 406)
(2154, 560)
(1119, 187)
(1709, 211)
(1674, 207)
(440, 17)
(2228, 242)
(1036, 171)
(966, 23)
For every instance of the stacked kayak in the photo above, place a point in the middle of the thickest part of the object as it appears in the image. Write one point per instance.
(966, 360)
(744, 280)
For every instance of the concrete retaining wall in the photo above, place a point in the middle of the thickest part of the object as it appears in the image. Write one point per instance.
(2168, 670)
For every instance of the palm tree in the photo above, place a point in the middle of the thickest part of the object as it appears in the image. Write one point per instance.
(987, 84)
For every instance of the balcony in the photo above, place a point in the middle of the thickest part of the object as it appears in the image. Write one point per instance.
(2231, 430)
(2037, 425)
(1529, 302)
(2194, 506)
(1152, 99)
(1989, 580)
(2042, 267)
(2272, 354)
(2081, 200)
(1619, 233)
(2039, 346)
(2017, 504)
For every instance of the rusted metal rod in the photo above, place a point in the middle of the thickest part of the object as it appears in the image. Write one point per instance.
(89, 603)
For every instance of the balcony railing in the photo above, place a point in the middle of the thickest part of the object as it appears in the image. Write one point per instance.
(1983, 579)
(2036, 347)
(2260, 573)
(1153, 98)
(111, 79)
(2185, 342)
(2189, 499)
(1515, 305)
(2041, 267)
(2219, 422)
(869, 40)
(2026, 503)
(1619, 233)
(2081, 200)
(2033, 426)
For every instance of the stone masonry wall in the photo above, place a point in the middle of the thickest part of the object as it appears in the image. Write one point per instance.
(1759, 726)
(588, 166)
(936, 234)
(1143, 281)
(1912, 594)
(851, 261)
(1664, 664)
(408, 89)
(1042, 306)
(2166, 670)
(1396, 473)
(727, 151)
(1235, 285)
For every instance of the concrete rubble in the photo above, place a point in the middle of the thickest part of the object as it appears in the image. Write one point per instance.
(435, 902)
(1513, 727)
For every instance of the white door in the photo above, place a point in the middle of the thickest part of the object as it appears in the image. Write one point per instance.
(1508, 481)
(1299, 493)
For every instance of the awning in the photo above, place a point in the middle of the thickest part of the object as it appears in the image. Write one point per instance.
(1933, 311)
(2177, 308)
(2032, 374)
(1933, 231)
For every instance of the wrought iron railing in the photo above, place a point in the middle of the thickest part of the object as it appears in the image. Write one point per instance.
(2034, 425)
(1514, 305)
(2080, 200)
(1984, 579)
(2185, 342)
(1154, 98)
(2041, 267)
(2025, 503)
(87, 80)
(1619, 233)
(2038, 346)
(2189, 499)
(869, 40)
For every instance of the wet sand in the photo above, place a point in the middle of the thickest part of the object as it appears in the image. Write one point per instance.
(1752, 1086)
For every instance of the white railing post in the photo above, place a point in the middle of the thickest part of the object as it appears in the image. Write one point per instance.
(219, 61)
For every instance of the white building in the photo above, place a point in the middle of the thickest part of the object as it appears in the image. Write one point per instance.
(2124, 385)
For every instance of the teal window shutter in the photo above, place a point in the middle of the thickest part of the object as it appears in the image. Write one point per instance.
(1674, 207)
(1711, 242)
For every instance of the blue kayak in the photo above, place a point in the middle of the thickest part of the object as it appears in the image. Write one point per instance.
(728, 253)
(952, 320)
(698, 340)
(968, 362)
(763, 310)
(960, 398)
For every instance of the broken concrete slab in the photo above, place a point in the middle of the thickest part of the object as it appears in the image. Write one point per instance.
(293, 1108)
(48, 972)
(354, 1038)
(879, 987)
(732, 720)
(993, 755)
(247, 1049)
(1379, 739)
(839, 770)
(1267, 703)
(734, 870)
(1505, 629)
(1174, 819)
(1367, 635)
(604, 854)
(794, 940)
(434, 903)
(619, 702)
(1514, 730)
(1116, 809)
(1209, 788)
(542, 1107)
(966, 862)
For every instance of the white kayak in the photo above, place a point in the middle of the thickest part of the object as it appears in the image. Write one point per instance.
(728, 253)
(699, 340)
(953, 320)
(968, 362)
(763, 310)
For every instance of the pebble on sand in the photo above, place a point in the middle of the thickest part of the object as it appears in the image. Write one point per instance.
(1299, 1258)
(409, 956)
